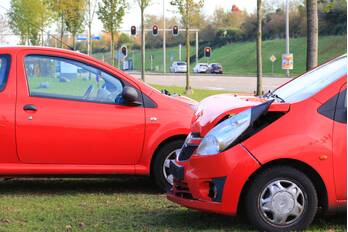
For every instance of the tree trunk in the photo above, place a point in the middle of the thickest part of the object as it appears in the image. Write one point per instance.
(89, 42)
(74, 41)
(312, 34)
(61, 31)
(112, 49)
(142, 46)
(259, 48)
(187, 25)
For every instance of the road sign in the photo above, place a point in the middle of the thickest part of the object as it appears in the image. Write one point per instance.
(287, 61)
(81, 38)
(273, 58)
(96, 37)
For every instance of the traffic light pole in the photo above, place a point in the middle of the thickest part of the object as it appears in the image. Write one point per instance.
(197, 46)
(164, 40)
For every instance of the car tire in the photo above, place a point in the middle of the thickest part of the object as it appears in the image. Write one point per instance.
(281, 199)
(160, 168)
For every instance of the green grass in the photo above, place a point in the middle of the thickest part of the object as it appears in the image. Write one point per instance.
(198, 94)
(117, 204)
(240, 58)
(122, 203)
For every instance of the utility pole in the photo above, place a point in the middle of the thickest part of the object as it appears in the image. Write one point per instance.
(197, 46)
(287, 43)
(164, 38)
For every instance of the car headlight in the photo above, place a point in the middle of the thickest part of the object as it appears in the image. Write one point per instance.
(225, 133)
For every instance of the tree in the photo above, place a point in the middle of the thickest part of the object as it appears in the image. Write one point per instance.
(312, 33)
(74, 13)
(26, 22)
(259, 47)
(91, 9)
(3, 28)
(143, 4)
(111, 13)
(186, 9)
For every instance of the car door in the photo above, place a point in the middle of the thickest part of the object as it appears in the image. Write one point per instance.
(70, 111)
(340, 145)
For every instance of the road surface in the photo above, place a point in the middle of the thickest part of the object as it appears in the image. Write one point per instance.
(215, 82)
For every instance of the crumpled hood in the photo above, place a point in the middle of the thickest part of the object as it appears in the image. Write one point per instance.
(213, 109)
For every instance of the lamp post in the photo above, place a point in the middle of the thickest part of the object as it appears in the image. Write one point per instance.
(287, 39)
(164, 38)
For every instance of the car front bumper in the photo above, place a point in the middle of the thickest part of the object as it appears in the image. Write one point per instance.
(212, 183)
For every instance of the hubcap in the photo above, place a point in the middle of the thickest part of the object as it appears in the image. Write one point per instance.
(281, 203)
(167, 175)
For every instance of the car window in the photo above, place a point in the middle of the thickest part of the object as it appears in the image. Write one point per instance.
(312, 82)
(341, 108)
(181, 63)
(56, 77)
(4, 69)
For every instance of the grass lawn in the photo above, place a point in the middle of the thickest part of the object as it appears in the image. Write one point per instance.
(122, 203)
(240, 59)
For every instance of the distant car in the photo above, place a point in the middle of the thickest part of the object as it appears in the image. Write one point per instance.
(201, 68)
(178, 67)
(216, 68)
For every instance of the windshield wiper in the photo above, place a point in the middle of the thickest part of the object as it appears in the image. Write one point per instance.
(273, 95)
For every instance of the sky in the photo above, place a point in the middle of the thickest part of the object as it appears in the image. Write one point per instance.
(133, 14)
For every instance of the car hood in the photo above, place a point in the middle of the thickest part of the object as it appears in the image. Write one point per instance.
(213, 109)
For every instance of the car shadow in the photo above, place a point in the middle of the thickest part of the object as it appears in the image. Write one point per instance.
(110, 185)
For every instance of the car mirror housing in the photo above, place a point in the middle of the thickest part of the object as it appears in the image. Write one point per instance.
(131, 96)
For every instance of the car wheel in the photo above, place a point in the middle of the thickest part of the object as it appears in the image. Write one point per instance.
(160, 167)
(281, 199)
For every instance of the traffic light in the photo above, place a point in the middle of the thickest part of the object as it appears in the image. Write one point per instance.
(175, 30)
(124, 51)
(133, 30)
(155, 30)
(207, 52)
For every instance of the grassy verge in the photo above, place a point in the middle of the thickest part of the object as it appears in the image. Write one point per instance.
(118, 204)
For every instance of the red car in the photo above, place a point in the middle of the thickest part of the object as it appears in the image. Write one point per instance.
(68, 113)
(276, 158)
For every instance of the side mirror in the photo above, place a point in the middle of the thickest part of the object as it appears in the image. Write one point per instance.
(131, 96)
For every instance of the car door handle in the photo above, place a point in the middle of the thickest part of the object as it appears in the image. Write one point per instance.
(30, 107)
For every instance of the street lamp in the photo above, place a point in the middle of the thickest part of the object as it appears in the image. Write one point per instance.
(287, 43)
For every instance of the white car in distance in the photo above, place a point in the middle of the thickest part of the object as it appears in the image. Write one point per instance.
(201, 68)
(178, 67)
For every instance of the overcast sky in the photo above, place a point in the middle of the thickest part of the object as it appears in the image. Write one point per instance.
(133, 15)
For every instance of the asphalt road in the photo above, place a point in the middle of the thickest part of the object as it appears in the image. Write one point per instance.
(215, 82)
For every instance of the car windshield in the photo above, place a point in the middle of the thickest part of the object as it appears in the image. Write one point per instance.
(181, 63)
(312, 82)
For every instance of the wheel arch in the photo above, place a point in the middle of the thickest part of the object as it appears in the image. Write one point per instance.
(311, 173)
(167, 140)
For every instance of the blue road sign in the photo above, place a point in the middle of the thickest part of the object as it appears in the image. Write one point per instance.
(81, 38)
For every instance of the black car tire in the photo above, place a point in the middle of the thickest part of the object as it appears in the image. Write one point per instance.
(260, 219)
(159, 159)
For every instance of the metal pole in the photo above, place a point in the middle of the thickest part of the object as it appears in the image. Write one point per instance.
(164, 39)
(287, 45)
(197, 46)
(180, 47)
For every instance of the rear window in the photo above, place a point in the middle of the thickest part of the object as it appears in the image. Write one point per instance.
(4, 69)
(181, 63)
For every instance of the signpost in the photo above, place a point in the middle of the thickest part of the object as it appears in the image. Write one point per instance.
(273, 59)
(288, 61)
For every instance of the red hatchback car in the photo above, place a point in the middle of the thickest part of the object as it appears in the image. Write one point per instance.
(68, 113)
(277, 158)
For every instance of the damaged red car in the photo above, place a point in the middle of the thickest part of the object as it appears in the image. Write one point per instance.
(276, 158)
